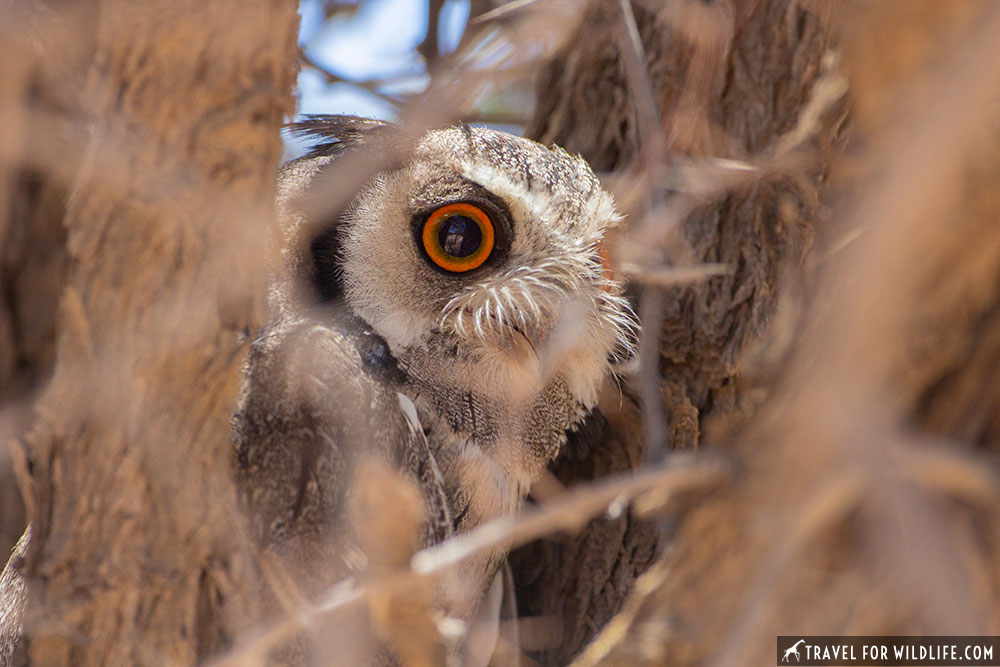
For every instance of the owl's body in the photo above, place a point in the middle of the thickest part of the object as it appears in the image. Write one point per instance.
(466, 281)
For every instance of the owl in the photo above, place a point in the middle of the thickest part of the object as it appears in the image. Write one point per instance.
(456, 318)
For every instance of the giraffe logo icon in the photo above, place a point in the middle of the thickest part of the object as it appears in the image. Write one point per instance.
(793, 650)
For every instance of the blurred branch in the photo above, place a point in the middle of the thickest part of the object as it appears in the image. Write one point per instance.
(571, 510)
(671, 277)
(430, 48)
(652, 142)
(827, 92)
(332, 8)
(450, 95)
(637, 76)
(567, 511)
(373, 86)
(477, 8)
(504, 11)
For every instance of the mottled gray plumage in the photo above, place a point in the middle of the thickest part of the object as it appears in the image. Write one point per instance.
(499, 362)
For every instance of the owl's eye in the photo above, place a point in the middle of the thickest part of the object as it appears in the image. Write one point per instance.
(458, 237)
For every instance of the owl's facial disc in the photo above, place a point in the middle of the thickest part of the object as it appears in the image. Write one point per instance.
(483, 249)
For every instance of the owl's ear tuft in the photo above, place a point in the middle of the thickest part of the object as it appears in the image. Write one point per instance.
(335, 134)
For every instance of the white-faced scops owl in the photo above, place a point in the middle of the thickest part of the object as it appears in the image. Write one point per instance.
(456, 318)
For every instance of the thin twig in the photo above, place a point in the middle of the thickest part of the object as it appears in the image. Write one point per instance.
(672, 276)
(568, 511)
(826, 506)
(429, 47)
(637, 75)
(654, 418)
(502, 12)
(827, 91)
(651, 148)
(373, 86)
(339, 597)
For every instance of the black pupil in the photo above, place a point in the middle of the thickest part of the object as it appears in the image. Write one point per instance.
(460, 236)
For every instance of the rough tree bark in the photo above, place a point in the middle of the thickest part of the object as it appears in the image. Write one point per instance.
(849, 513)
(730, 79)
(42, 146)
(138, 553)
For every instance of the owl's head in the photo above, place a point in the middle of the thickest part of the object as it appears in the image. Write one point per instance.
(483, 250)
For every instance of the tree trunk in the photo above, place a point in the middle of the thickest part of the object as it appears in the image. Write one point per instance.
(729, 79)
(138, 552)
(824, 372)
(42, 146)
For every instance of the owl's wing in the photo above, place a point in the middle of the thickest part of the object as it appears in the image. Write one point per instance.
(319, 395)
(316, 400)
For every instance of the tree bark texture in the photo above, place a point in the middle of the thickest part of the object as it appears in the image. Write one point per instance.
(729, 80)
(138, 553)
(862, 370)
(42, 146)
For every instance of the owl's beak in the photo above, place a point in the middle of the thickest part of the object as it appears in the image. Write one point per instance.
(533, 337)
(526, 336)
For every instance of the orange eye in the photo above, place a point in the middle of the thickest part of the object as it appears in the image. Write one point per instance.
(458, 237)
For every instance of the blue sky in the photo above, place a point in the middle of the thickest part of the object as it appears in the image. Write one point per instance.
(377, 41)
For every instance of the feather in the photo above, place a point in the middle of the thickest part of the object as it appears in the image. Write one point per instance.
(335, 133)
